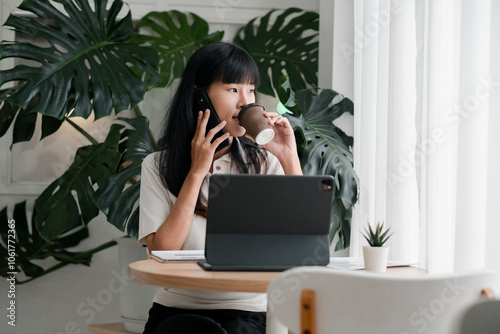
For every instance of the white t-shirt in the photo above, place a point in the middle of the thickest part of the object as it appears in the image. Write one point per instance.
(155, 205)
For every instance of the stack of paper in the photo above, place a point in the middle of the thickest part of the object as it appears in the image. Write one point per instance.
(178, 255)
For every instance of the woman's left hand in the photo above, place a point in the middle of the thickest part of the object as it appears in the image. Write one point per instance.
(283, 145)
(283, 142)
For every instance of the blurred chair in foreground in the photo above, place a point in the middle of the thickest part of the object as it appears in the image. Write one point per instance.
(319, 300)
(482, 318)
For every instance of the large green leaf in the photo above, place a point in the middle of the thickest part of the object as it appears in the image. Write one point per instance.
(175, 36)
(68, 201)
(24, 120)
(324, 148)
(137, 142)
(20, 235)
(118, 197)
(289, 46)
(8, 112)
(85, 67)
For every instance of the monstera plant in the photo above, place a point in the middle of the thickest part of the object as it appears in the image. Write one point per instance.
(95, 63)
(288, 46)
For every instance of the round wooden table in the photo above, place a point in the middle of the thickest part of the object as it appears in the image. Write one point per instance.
(189, 275)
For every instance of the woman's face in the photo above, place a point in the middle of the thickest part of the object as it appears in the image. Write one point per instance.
(228, 99)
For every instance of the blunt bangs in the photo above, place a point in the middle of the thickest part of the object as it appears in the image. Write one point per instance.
(240, 68)
(223, 62)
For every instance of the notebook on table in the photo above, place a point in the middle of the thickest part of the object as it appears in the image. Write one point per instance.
(267, 222)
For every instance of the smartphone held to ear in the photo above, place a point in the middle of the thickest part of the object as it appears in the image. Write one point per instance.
(201, 103)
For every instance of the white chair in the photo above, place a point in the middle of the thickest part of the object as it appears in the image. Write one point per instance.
(319, 300)
(483, 318)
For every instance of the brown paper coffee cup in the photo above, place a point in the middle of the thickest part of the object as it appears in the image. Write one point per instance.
(252, 118)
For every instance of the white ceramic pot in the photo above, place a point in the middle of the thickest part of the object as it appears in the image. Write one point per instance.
(136, 298)
(375, 258)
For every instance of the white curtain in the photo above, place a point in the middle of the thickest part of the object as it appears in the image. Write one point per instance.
(456, 93)
(426, 129)
(384, 124)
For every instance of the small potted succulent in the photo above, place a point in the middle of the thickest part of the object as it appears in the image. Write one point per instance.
(375, 255)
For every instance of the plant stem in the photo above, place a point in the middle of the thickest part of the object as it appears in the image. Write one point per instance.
(139, 113)
(82, 131)
(65, 263)
(97, 249)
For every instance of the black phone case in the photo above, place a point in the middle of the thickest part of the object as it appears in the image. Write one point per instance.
(202, 102)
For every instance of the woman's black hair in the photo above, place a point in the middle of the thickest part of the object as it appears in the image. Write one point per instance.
(211, 63)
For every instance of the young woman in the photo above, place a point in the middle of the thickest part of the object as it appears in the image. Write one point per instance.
(174, 185)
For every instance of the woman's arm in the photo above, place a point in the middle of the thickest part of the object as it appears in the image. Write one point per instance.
(173, 232)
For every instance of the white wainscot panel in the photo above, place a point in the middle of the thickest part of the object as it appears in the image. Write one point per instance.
(31, 166)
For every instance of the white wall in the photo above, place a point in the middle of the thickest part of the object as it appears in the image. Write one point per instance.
(67, 300)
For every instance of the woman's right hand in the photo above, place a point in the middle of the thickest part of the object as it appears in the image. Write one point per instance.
(202, 150)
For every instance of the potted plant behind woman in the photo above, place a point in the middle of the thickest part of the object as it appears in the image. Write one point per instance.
(375, 255)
